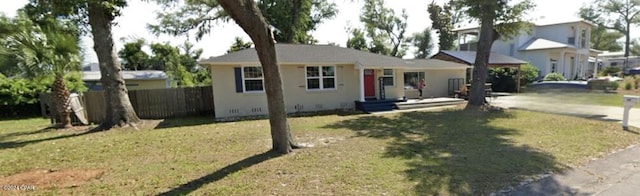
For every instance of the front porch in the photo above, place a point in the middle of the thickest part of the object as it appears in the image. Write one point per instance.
(371, 106)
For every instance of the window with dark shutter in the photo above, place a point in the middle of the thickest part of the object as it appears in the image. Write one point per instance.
(238, 74)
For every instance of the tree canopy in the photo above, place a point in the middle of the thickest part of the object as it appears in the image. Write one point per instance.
(443, 20)
(133, 57)
(384, 30)
(239, 44)
(602, 38)
(292, 20)
(179, 62)
(423, 42)
(44, 48)
(618, 15)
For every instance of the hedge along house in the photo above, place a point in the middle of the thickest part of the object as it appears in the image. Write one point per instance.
(322, 77)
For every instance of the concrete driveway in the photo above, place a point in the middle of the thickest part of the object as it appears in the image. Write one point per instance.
(590, 111)
(616, 174)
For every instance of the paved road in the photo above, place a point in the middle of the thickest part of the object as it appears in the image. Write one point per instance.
(616, 174)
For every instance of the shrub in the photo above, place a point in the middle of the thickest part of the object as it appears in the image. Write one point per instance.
(502, 79)
(554, 77)
(610, 71)
(528, 74)
(614, 85)
(629, 83)
(18, 91)
(636, 81)
(628, 86)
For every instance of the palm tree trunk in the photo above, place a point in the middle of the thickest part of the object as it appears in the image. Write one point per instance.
(119, 111)
(61, 98)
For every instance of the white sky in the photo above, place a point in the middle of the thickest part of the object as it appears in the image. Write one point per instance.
(138, 14)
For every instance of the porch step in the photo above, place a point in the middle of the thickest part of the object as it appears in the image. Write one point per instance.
(377, 105)
(428, 102)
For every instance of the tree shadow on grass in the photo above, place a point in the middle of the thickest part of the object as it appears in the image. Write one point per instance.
(17, 144)
(185, 122)
(193, 185)
(43, 130)
(454, 152)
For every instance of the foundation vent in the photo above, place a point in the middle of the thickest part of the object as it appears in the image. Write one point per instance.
(345, 105)
(298, 107)
(256, 110)
(234, 111)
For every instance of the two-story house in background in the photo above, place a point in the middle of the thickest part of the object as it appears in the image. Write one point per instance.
(561, 47)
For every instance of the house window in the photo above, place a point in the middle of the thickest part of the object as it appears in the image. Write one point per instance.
(614, 64)
(253, 79)
(387, 77)
(571, 40)
(554, 65)
(321, 77)
(412, 79)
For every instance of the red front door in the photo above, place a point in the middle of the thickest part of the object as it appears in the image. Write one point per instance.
(369, 83)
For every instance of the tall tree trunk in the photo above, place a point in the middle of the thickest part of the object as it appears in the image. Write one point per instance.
(481, 64)
(119, 111)
(295, 19)
(61, 97)
(248, 16)
(627, 42)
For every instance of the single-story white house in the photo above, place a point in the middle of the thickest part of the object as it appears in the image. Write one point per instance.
(323, 77)
(135, 80)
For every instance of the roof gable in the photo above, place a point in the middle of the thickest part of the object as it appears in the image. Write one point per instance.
(469, 57)
(542, 44)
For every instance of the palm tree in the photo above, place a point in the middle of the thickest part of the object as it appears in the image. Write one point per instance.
(45, 51)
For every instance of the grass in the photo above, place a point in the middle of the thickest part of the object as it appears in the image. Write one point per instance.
(414, 153)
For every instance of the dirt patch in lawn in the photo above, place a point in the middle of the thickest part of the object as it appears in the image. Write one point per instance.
(43, 178)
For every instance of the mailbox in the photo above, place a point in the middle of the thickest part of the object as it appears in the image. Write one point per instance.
(630, 101)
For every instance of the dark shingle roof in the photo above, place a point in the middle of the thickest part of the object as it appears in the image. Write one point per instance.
(298, 53)
(469, 57)
(327, 54)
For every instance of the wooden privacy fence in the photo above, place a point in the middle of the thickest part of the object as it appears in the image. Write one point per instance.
(156, 103)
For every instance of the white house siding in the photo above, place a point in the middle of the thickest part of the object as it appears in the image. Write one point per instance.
(538, 58)
(541, 58)
(561, 32)
(390, 92)
(230, 103)
(504, 47)
(298, 98)
(436, 81)
(511, 46)
(558, 33)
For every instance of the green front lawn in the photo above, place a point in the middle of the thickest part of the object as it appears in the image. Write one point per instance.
(414, 153)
